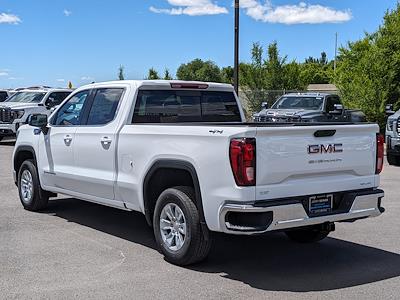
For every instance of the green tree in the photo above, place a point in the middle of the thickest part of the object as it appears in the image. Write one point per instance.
(227, 74)
(368, 73)
(292, 76)
(121, 75)
(261, 79)
(362, 78)
(199, 70)
(152, 75)
(253, 81)
(167, 75)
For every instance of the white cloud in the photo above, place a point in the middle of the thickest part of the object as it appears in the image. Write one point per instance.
(301, 13)
(60, 80)
(191, 8)
(87, 78)
(16, 78)
(9, 19)
(3, 73)
(67, 12)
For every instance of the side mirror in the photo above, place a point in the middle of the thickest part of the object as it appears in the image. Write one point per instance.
(337, 109)
(389, 110)
(264, 105)
(53, 108)
(38, 120)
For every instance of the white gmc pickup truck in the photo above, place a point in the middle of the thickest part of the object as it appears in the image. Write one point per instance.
(182, 154)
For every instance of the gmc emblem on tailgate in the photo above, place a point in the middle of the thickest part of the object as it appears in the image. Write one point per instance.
(321, 149)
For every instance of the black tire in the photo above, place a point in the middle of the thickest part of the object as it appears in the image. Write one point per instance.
(393, 160)
(1, 138)
(307, 235)
(197, 240)
(39, 198)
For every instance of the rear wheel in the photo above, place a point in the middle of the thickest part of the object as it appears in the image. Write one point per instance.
(310, 234)
(32, 196)
(177, 229)
(393, 160)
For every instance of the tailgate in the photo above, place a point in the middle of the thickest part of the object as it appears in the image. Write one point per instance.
(292, 161)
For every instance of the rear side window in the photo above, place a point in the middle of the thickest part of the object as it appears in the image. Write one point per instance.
(104, 106)
(171, 106)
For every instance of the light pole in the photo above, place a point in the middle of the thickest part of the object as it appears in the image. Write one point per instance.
(236, 63)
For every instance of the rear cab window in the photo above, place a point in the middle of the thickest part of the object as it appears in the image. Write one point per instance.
(172, 106)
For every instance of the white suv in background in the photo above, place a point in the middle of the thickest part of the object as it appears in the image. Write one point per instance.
(15, 110)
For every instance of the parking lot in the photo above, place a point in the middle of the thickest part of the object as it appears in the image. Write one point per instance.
(76, 249)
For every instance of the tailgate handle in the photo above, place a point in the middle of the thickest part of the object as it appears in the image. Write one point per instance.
(324, 133)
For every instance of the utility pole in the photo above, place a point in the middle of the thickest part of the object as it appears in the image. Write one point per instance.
(334, 64)
(236, 63)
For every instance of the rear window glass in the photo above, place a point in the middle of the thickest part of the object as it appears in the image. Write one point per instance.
(171, 106)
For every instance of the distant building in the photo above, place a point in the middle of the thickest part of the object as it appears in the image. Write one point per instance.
(323, 88)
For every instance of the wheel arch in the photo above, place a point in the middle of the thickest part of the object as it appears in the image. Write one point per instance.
(165, 167)
(23, 153)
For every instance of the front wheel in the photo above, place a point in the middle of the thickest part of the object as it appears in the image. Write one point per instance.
(310, 234)
(32, 196)
(393, 160)
(177, 228)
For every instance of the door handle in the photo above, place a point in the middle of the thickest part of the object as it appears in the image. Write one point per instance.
(106, 141)
(67, 139)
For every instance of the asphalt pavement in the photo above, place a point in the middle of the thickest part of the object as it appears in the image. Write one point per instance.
(81, 250)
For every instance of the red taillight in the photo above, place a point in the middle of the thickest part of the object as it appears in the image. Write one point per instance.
(380, 152)
(242, 153)
(200, 86)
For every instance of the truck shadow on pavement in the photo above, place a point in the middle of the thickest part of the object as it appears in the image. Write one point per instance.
(270, 262)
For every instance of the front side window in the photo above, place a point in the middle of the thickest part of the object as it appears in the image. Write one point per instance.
(71, 112)
(170, 106)
(104, 106)
(27, 97)
(3, 96)
(56, 98)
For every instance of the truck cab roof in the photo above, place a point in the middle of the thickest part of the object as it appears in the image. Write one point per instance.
(166, 84)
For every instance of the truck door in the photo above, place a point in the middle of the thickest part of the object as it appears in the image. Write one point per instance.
(95, 145)
(56, 149)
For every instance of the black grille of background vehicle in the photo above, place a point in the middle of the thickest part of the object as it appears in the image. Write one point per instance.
(398, 125)
(280, 119)
(6, 115)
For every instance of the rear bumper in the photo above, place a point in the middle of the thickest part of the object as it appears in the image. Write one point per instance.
(289, 214)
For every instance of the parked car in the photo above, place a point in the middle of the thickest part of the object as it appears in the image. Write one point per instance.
(308, 107)
(182, 154)
(15, 110)
(393, 136)
(4, 94)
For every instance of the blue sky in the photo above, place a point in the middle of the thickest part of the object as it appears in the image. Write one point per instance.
(51, 42)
